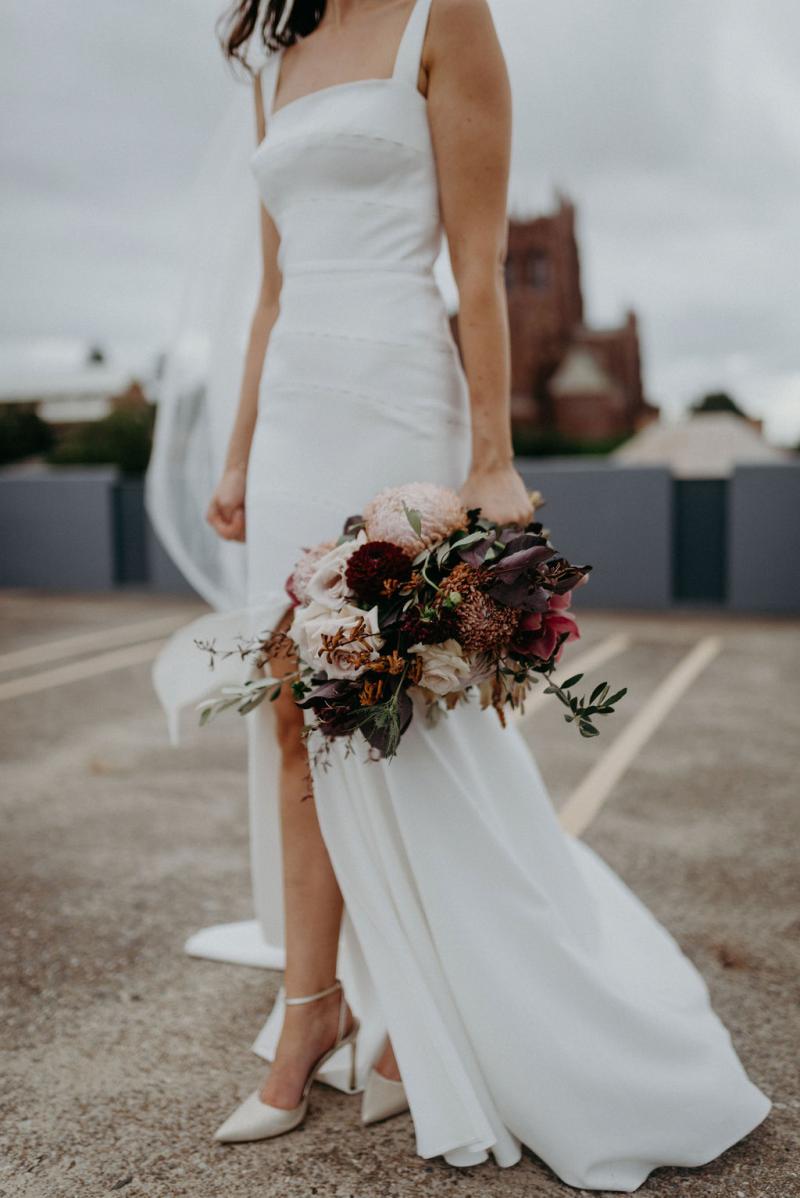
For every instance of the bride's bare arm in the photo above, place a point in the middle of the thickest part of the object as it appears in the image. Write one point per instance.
(226, 509)
(469, 109)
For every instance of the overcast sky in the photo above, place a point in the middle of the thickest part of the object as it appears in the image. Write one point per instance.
(673, 125)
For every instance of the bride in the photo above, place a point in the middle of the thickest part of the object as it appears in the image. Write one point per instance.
(522, 994)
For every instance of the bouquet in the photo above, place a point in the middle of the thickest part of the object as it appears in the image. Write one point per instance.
(420, 597)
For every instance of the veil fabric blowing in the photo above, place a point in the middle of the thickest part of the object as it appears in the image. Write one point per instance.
(199, 389)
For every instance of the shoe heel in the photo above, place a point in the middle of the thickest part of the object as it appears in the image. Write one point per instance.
(353, 1061)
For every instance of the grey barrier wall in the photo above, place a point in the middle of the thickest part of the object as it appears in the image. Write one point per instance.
(80, 529)
(764, 538)
(130, 533)
(618, 519)
(653, 541)
(140, 559)
(163, 575)
(57, 528)
(700, 540)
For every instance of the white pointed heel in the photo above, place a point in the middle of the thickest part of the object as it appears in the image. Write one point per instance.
(257, 1120)
(383, 1097)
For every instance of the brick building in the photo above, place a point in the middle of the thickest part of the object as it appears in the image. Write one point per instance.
(567, 380)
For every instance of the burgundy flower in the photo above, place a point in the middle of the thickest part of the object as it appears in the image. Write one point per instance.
(372, 564)
(440, 627)
(334, 703)
(538, 633)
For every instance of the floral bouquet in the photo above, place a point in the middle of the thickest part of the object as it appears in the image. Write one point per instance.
(419, 596)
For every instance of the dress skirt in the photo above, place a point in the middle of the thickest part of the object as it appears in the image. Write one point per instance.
(531, 998)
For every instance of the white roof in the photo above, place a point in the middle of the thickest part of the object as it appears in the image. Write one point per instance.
(705, 445)
(580, 373)
(89, 382)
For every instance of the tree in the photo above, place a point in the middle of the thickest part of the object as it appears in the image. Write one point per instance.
(718, 401)
(23, 434)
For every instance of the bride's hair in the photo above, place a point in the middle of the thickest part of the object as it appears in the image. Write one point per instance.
(238, 24)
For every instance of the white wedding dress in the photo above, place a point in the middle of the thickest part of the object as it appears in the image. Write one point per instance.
(531, 998)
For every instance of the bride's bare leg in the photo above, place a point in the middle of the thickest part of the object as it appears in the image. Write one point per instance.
(312, 913)
(312, 916)
(386, 1063)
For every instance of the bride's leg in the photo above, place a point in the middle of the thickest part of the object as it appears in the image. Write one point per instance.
(312, 911)
(312, 914)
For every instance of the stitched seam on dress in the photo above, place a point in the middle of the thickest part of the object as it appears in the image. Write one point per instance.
(368, 397)
(389, 142)
(351, 201)
(441, 348)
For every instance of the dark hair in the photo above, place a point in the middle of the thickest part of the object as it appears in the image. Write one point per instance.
(237, 25)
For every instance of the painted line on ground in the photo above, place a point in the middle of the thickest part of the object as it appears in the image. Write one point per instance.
(581, 663)
(71, 646)
(78, 671)
(583, 805)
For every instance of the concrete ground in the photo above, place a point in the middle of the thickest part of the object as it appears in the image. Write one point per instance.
(121, 1055)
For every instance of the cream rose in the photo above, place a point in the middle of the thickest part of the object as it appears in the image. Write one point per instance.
(316, 621)
(444, 668)
(328, 584)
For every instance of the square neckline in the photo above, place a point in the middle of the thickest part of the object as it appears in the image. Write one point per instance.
(272, 113)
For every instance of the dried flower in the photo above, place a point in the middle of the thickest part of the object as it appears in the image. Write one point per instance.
(342, 643)
(482, 623)
(371, 692)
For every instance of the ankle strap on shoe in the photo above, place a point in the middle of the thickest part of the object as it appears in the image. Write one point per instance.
(293, 1002)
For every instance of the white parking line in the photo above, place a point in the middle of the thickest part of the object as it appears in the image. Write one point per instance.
(76, 671)
(70, 646)
(579, 664)
(586, 801)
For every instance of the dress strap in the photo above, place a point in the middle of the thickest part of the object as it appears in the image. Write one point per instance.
(268, 76)
(409, 52)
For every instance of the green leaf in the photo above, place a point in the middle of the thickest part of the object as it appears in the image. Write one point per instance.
(615, 698)
(598, 691)
(414, 518)
(469, 539)
(571, 681)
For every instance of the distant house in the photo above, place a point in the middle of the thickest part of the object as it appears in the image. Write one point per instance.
(706, 445)
(71, 394)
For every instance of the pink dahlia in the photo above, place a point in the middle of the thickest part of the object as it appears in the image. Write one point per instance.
(304, 570)
(537, 632)
(440, 513)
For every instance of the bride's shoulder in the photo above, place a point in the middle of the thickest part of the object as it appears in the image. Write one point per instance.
(460, 21)
(461, 30)
(460, 10)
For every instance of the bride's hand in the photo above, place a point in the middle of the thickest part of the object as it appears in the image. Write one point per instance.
(500, 493)
(226, 510)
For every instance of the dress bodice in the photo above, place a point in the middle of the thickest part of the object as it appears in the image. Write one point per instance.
(347, 172)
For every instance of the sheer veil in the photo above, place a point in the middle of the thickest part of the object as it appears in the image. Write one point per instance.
(199, 389)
